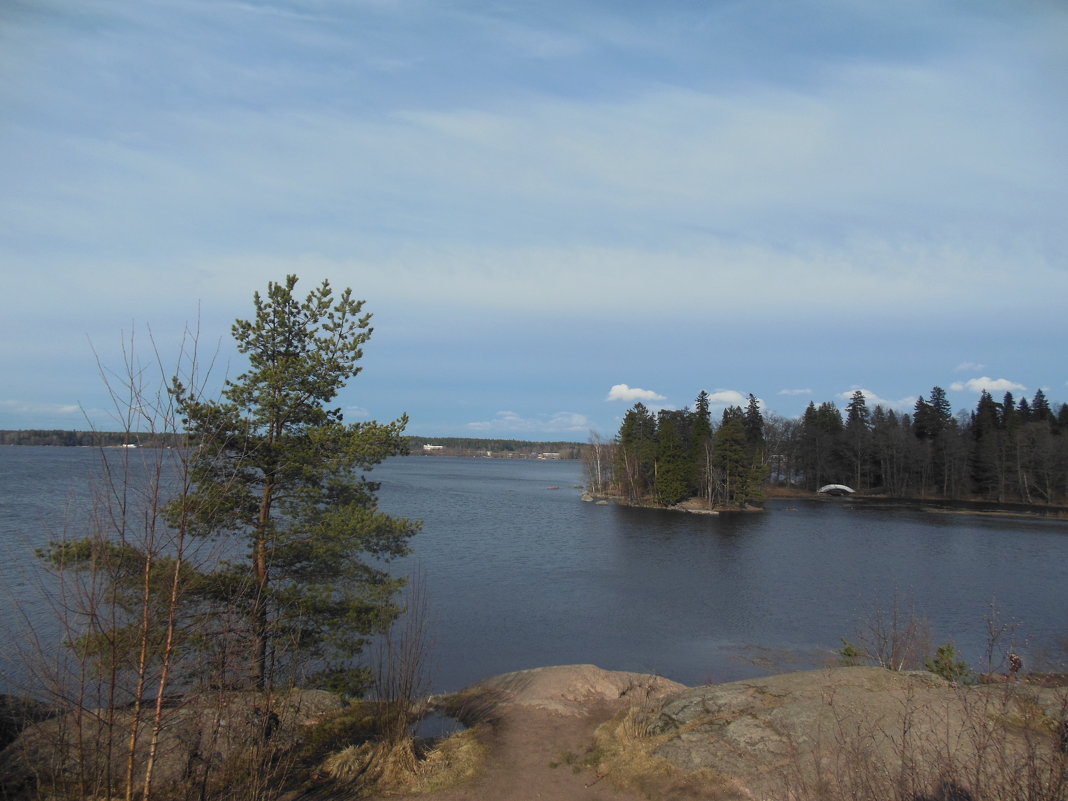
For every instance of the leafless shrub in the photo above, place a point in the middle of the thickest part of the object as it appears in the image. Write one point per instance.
(391, 757)
(399, 664)
(994, 742)
(119, 588)
(1000, 639)
(896, 638)
(131, 689)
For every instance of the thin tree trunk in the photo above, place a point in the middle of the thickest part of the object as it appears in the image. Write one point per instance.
(259, 611)
(142, 667)
(165, 667)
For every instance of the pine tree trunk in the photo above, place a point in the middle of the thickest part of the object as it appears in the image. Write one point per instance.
(259, 609)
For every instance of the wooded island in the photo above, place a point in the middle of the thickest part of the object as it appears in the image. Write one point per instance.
(1005, 451)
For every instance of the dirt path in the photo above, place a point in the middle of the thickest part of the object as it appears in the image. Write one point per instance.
(540, 728)
(537, 755)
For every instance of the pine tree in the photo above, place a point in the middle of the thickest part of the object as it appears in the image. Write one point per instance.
(277, 471)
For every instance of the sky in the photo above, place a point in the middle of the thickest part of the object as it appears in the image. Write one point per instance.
(552, 209)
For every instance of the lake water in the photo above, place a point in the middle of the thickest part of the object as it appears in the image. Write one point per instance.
(520, 575)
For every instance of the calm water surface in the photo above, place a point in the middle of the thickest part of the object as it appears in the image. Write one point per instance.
(521, 575)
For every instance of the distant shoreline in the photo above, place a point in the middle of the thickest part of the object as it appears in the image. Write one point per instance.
(932, 505)
(937, 505)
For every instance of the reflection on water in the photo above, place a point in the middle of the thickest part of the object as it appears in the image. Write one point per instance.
(436, 726)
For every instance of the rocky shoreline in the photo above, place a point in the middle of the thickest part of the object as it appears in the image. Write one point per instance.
(934, 505)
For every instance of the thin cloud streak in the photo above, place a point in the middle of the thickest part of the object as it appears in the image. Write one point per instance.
(510, 422)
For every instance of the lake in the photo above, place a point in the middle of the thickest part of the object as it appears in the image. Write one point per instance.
(520, 575)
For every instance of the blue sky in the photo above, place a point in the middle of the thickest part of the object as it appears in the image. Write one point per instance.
(552, 209)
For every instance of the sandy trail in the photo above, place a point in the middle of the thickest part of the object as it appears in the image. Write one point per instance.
(541, 727)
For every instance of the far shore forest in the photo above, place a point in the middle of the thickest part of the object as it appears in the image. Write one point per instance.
(440, 446)
(1004, 451)
(1011, 451)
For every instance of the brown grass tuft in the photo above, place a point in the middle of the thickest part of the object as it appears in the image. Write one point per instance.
(400, 766)
(624, 753)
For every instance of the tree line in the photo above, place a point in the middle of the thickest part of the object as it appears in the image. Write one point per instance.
(1005, 450)
(452, 446)
(94, 439)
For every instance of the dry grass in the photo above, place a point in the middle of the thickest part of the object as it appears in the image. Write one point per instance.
(454, 760)
(978, 743)
(624, 753)
(998, 744)
(404, 767)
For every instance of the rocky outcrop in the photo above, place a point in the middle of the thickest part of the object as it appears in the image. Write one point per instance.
(567, 689)
(18, 713)
(831, 734)
(896, 732)
(745, 727)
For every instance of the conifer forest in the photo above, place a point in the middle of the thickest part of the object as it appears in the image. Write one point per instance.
(1005, 450)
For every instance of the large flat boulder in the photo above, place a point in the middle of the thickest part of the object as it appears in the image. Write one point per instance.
(861, 729)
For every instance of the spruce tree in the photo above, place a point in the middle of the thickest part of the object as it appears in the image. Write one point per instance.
(985, 468)
(753, 422)
(636, 456)
(1040, 409)
(674, 450)
(702, 447)
(858, 436)
(737, 477)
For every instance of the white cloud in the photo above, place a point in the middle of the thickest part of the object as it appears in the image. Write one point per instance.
(987, 383)
(622, 392)
(357, 411)
(511, 422)
(873, 400)
(795, 392)
(969, 367)
(729, 397)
